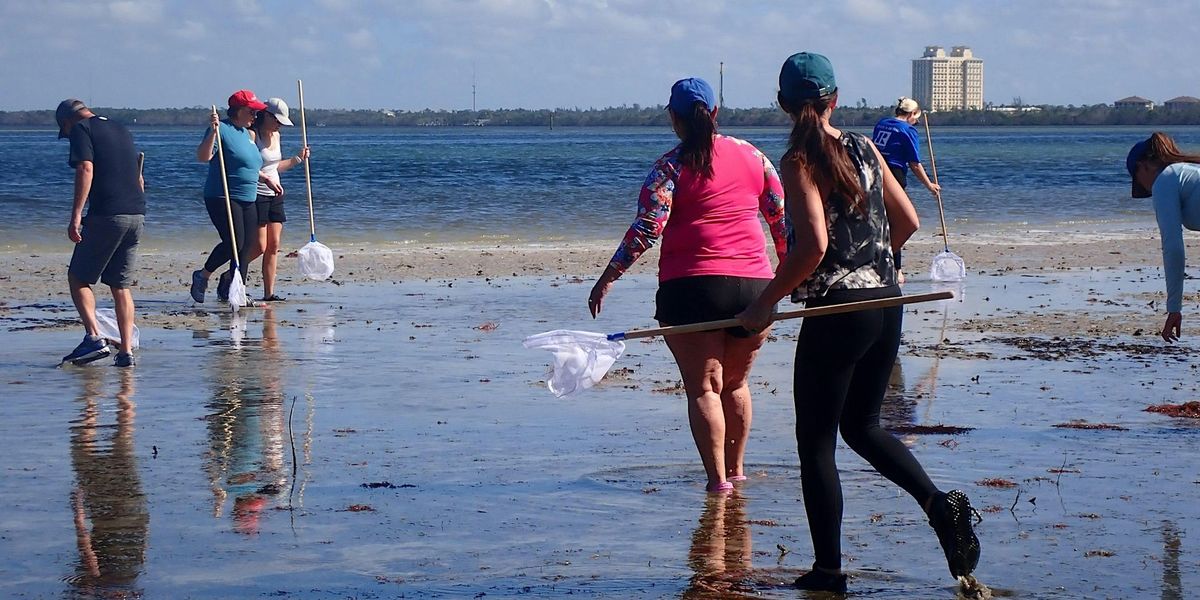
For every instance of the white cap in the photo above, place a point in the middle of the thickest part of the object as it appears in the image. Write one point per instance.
(907, 106)
(278, 108)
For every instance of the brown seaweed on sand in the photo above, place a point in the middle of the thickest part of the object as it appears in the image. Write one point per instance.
(929, 429)
(1187, 410)
(1083, 424)
(996, 482)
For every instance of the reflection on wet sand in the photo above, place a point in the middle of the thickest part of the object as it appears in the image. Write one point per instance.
(1172, 587)
(898, 407)
(721, 550)
(246, 428)
(110, 512)
(900, 404)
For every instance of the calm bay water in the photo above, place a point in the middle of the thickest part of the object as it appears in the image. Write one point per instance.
(539, 185)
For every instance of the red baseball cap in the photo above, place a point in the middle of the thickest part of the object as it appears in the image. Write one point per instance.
(246, 98)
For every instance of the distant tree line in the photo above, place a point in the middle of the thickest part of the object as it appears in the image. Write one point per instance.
(637, 115)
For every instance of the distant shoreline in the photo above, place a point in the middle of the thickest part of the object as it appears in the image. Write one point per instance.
(637, 115)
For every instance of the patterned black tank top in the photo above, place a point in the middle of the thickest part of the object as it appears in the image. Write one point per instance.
(859, 254)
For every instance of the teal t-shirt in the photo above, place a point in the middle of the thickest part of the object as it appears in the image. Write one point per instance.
(242, 164)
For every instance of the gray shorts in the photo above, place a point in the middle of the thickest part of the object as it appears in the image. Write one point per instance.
(108, 250)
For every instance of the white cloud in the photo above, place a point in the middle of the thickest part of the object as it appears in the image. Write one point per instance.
(361, 39)
(190, 31)
(872, 11)
(136, 11)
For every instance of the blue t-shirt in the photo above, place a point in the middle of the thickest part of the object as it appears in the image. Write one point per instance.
(898, 142)
(1176, 194)
(108, 145)
(242, 164)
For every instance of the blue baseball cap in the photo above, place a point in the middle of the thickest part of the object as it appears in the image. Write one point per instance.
(806, 75)
(687, 92)
(1136, 153)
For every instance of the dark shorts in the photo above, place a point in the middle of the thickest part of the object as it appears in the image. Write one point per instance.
(703, 298)
(108, 252)
(901, 176)
(270, 209)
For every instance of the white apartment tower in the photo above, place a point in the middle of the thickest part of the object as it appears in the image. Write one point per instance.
(953, 82)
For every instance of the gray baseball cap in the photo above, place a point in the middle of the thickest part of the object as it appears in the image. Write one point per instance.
(66, 110)
(279, 108)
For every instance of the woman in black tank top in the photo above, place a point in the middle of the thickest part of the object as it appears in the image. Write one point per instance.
(849, 217)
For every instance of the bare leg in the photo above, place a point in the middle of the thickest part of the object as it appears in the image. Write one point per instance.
(735, 398)
(123, 299)
(261, 242)
(699, 358)
(274, 232)
(85, 304)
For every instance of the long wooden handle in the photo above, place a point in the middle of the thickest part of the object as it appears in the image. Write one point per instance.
(831, 309)
(312, 223)
(225, 186)
(938, 196)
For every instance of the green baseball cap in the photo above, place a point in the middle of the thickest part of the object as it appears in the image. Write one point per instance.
(806, 75)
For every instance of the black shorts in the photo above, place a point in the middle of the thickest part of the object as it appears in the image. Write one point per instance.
(270, 209)
(901, 176)
(701, 298)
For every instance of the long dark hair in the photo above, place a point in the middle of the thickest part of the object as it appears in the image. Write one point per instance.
(1161, 149)
(695, 151)
(821, 156)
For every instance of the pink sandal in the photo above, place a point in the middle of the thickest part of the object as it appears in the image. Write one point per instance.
(721, 488)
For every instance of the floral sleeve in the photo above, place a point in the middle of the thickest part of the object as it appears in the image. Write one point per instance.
(772, 207)
(654, 208)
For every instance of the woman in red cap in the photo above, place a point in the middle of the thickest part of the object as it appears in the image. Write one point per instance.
(243, 164)
(1160, 169)
(850, 217)
(713, 262)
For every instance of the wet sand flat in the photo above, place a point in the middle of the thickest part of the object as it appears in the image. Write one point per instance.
(388, 437)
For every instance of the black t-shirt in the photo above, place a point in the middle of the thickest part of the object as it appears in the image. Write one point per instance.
(109, 146)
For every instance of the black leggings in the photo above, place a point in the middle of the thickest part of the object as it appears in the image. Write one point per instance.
(843, 363)
(245, 225)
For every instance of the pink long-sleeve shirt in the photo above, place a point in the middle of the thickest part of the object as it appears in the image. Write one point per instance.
(714, 227)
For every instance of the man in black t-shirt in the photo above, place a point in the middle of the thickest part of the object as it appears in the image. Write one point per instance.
(108, 179)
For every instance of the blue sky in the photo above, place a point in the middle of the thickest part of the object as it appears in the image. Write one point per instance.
(414, 54)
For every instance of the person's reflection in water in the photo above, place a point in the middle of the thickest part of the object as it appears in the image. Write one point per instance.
(246, 429)
(720, 552)
(110, 512)
(1172, 587)
(898, 407)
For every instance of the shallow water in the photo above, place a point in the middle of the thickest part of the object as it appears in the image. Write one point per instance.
(177, 479)
(513, 184)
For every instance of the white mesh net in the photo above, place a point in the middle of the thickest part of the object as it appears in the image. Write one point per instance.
(581, 358)
(316, 261)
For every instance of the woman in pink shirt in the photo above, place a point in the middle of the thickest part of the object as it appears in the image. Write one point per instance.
(713, 262)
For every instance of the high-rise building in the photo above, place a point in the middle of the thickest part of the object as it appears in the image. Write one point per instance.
(954, 82)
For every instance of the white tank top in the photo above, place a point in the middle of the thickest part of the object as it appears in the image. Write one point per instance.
(270, 168)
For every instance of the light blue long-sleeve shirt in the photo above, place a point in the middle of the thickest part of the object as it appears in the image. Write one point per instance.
(1176, 194)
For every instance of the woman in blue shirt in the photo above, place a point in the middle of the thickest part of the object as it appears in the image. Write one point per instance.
(242, 165)
(900, 146)
(1160, 169)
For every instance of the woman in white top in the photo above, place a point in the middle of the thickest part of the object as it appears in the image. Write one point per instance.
(270, 191)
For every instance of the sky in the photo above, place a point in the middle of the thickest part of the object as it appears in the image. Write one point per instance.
(417, 54)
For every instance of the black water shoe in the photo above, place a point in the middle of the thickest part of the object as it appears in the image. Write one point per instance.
(950, 514)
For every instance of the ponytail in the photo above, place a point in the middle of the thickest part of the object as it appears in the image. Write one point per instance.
(695, 151)
(1161, 148)
(821, 156)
